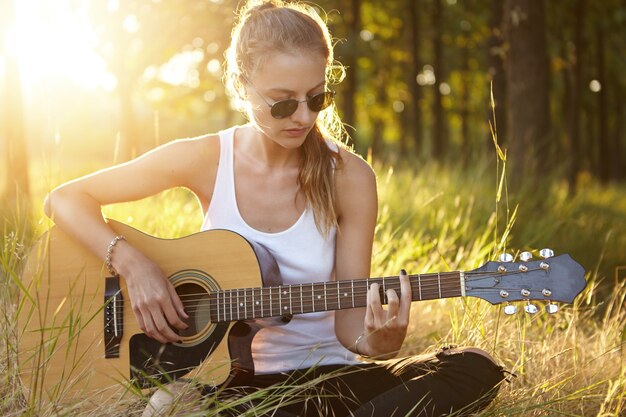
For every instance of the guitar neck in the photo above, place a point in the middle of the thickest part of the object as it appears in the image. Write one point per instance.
(253, 303)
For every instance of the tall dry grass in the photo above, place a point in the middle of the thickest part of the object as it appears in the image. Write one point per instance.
(435, 219)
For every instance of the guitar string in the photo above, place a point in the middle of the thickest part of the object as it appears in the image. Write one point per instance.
(307, 303)
(425, 282)
(307, 298)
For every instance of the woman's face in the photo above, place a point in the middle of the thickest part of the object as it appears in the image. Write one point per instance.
(286, 76)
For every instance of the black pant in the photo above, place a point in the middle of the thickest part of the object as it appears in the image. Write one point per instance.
(450, 381)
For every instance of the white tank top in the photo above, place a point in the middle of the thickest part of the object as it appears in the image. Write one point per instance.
(304, 255)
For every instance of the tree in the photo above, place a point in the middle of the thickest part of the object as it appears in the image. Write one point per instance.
(527, 88)
(439, 138)
(415, 122)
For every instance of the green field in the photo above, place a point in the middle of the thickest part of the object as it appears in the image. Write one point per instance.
(435, 219)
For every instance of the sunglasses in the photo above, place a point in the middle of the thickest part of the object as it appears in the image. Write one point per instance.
(285, 108)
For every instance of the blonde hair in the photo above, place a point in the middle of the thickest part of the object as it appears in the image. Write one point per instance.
(274, 26)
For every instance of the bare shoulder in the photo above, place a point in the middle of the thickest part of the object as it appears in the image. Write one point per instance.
(354, 171)
(355, 181)
(190, 157)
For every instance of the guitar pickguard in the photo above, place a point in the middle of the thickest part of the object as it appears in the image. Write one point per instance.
(154, 362)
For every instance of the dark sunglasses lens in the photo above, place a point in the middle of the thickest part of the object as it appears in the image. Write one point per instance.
(320, 101)
(284, 108)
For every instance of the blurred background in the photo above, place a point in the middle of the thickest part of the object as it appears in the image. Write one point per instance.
(431, 85)
(106, 80)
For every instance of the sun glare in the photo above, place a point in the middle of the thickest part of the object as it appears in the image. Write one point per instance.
(53, 40)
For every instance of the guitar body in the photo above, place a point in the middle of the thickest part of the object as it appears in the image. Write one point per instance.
(74, 343)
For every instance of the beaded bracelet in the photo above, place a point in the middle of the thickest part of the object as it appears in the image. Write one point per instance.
(112, 271)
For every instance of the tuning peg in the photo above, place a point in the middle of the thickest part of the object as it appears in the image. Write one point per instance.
(505, 257)
(551, 308)
(530, 308)
(546, 253)
(510, 309)
(526, 256)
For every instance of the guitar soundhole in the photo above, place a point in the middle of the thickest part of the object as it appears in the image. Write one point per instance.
(194, 288)
(196, 302)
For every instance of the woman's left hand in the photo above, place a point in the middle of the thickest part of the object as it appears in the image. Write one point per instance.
(385, 329)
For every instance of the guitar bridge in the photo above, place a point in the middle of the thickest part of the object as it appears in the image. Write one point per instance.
(113, 317)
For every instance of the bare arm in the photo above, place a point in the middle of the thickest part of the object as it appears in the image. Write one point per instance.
(76, 208)
(382, 330)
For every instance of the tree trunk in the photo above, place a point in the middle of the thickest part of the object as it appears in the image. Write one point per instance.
(13, 132)
(466, 149)
(414, 110)
(527, 89)
(439, 138)
(573, 102)
(378, 120)
(439, 143)
(619, 161)
(351, 62)
(604, 158)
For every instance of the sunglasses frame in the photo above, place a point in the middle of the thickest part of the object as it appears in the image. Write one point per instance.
(272, 106)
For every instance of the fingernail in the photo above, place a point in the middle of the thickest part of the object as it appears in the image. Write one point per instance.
(403, 272)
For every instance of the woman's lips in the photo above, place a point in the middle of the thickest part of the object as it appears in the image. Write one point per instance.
(296, 132)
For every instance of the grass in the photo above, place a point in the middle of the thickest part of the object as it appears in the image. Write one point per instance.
(436, 219)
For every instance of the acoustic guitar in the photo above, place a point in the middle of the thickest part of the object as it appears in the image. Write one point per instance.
(79, 339)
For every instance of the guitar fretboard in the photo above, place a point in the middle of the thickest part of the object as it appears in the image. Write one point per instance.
(252, 303)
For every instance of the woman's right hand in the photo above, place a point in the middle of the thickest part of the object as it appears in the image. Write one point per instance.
(153, 298)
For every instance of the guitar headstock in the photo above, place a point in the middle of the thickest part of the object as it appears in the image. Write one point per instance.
(553, 278)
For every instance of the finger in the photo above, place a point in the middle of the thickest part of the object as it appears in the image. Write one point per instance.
(171, 315)
(375, 304)
(163, 328)
(171, 311)
(406, 295)
(178, 304)
(151, 328)
(140, 322)
(393, 304)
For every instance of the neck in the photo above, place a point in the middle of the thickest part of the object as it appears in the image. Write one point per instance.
(251, 303)
(264, 151)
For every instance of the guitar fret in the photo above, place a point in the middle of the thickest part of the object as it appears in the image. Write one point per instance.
(245, 303)
(238, 305)
(252, 303)
(352, 289)
(338, 296)
(419, 285)
(230, 303)
(290, 299)
(271, 306)
(462, 283)
(325, 298)
(301, 301)
(385, 300)
(313, 296)
(439, 282)
(217, 304)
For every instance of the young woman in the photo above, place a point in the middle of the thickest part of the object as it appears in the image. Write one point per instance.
(285, 181)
